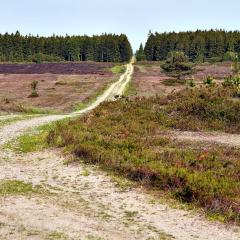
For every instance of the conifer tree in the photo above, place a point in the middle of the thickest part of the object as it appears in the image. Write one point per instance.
(198, 46)
(140, 54)
(104, 48)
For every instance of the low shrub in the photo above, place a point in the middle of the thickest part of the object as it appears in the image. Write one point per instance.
(209, 81)
(232, 81)
(204, 108)
(230, 56)
(124, 136)
(214, 59)
(34, 93)
(177, 64)
(191, 83)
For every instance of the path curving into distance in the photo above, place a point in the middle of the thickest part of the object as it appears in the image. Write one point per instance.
(14, 130)
(84, 202)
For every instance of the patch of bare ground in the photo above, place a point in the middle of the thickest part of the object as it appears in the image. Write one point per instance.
(81, 202)
(225, 139)
(218, 70)
(148, 80)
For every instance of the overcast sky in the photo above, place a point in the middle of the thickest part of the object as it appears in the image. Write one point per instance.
(133, 17)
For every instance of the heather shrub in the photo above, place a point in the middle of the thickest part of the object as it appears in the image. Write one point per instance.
(123, 136)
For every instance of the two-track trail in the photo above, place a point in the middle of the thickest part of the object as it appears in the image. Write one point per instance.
(83, 202)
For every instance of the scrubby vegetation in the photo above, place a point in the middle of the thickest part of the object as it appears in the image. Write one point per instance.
(34, 93)
(205, 108)
(16, 107)
(128, 137)
(177, 64)
(9, 120)
(233, 82)
(29, 142)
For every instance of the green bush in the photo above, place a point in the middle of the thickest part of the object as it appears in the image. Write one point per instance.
(191, 83)
(177, 63)
(230, 56)
(199, 58)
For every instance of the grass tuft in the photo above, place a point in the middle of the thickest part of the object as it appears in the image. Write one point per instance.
(118, 69)
(15, 187)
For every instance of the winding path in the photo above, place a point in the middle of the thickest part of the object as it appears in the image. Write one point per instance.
(116, 89)
(83, 202)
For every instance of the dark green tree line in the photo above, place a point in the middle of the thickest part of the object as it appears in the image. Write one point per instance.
(103, 48)
(199, 46)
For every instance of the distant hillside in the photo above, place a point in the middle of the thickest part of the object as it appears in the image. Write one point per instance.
(200, 46)
(103, 48)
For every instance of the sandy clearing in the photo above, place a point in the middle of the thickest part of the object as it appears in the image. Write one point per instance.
(83, 204)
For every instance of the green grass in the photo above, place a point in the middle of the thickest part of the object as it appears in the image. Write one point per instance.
(35, 110)
(130, 89)
(9, 187)
(85, 173)
(125, 136)
(25, 109)
(118, 69)
(30, 142)
(57, 235)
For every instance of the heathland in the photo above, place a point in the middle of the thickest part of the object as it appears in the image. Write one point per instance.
(169, 140)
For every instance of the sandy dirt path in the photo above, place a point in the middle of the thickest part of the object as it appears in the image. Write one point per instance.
(19, 127)
(225, 139)
(82, 202)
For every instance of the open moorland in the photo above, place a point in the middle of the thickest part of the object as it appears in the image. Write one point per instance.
(135, 138)
(62, 87)
(56, 68)
(149, 79)
(154, 155)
